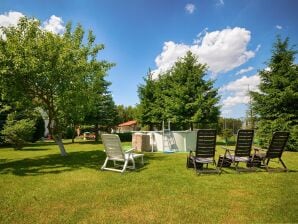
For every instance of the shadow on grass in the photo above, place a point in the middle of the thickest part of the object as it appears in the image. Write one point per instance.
(55, 163)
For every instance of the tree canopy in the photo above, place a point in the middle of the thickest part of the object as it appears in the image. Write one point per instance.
(50, 71)
(276, 104)
(180, 95)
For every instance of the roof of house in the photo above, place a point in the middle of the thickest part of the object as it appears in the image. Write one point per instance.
(128, 123)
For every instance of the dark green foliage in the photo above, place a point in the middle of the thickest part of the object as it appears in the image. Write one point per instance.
(181, 95)
(39, 129)
(125, 137)
(277, 102)
(18, 132)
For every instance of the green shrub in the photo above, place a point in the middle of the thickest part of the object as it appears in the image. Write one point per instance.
(18, 132)
(226, 134)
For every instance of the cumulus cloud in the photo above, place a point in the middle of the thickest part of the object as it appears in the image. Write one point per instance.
(236, 92)
(242, 71)
(54, 25)
(190, 8)
(279, 27)
(221, 50)
(10, 19)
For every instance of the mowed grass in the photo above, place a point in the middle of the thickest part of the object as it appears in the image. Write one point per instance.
(37, 185)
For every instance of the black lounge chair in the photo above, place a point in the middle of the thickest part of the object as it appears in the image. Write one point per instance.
(275, 150)
(205, 151)
(242, 151)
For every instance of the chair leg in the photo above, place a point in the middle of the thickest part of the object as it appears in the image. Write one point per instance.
(105, 164)
(124, 166)
(215, 164)
(266, 164)
(283, 164)
(133, 163)
(236, 166)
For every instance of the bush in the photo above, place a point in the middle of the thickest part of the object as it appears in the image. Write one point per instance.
(226, 134)
(19, 132)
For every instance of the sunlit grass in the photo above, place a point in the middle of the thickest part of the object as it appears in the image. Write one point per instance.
(39, 186)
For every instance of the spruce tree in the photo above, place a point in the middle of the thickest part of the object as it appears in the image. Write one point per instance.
(277, 102)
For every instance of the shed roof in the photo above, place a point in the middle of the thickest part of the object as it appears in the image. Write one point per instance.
(128, 123)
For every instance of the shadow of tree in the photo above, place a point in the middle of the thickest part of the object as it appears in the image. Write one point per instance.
(54, 163)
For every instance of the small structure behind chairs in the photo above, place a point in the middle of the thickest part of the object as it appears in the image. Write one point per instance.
(115, 153)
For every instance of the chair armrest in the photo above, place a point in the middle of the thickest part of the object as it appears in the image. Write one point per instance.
(130, 150)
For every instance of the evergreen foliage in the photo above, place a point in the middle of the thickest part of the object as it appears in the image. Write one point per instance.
(277, 102)
(18, 132)
(180, 95)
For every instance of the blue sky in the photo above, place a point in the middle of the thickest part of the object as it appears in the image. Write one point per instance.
(233, 37)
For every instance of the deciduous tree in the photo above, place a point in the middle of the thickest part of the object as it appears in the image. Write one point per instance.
(50, 71)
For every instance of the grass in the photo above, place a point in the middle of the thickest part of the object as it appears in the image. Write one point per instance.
(39, 186)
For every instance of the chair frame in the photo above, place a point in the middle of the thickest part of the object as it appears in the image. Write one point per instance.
(242, 151)
(275, 150)
(115, 153)
(205, 151)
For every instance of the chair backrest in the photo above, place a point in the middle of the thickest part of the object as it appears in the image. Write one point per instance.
(244, 142)
(206, 143)
(112, 144)
(277, 144)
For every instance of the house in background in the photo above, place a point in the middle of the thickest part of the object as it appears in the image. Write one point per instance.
(127, 127)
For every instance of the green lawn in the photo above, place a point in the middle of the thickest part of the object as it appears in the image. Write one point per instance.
(39, 186)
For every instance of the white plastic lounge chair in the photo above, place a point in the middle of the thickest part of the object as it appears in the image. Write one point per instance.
(115, 153)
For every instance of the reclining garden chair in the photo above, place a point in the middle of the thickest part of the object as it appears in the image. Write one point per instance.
(242, 152)
(205, 151)
(114, 152)
(275, 150)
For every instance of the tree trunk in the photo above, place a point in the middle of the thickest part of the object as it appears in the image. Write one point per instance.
(73, 134)
(191, 126)
(58, 140)
(96, 132)
(57, 137)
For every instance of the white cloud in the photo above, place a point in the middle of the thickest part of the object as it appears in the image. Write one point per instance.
(190, 8)
(220, 2)
(221, 50)
(279, 27)
(245, 70)
(10, 19)
(237, 90)
(54, 25)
